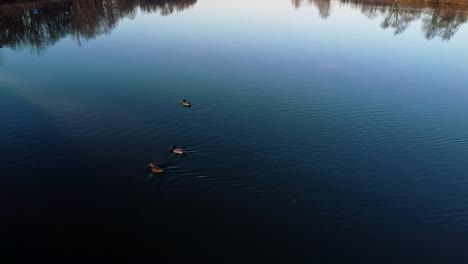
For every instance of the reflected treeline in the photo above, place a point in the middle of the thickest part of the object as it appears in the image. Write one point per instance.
(324, 6)
(39, 24)
(439, 18)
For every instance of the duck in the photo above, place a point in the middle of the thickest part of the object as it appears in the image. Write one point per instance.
(154, 168)
(186, 103)
(177, 150)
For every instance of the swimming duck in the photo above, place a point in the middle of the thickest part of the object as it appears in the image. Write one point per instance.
(154, 168)
(177, 150)
(186, 103)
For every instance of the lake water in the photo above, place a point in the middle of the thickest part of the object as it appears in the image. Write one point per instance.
(320, 132)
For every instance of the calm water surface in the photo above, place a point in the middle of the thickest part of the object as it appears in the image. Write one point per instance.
(320, 130)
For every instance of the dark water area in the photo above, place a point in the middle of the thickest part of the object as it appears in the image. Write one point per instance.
(320, 131)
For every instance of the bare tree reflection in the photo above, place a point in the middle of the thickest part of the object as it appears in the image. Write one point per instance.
(444, 22)
(439, 19)
(399, 18)
(324, 6)
(40, 24)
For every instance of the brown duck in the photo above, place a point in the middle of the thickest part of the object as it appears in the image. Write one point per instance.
(154, 168)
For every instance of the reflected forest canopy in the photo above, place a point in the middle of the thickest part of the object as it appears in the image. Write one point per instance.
(439, 18)
(40, 24)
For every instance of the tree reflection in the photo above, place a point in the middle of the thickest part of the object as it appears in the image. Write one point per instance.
(438, 19)
(324, 6)
(399, 18)
(42, 23)
(444, 22)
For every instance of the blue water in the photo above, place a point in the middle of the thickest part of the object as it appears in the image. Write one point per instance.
(319, 132)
